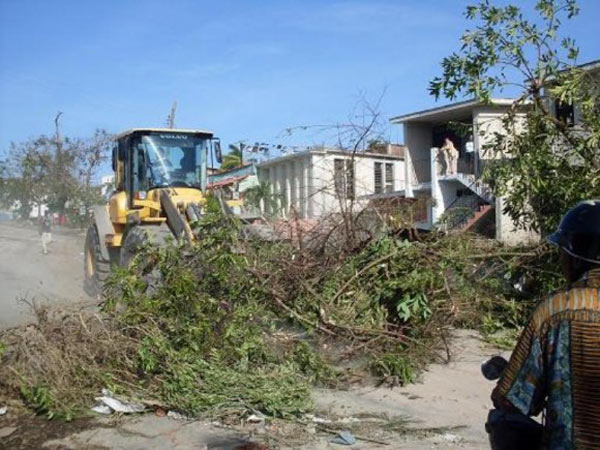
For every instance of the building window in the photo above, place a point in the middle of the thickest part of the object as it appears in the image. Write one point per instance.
(389, 177)
(343, 178)
(383, 185)
(565, 112)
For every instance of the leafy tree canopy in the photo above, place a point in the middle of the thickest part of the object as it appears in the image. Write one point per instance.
(542, 163)
(55, 171)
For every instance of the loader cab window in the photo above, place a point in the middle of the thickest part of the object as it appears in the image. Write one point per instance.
(176, 160)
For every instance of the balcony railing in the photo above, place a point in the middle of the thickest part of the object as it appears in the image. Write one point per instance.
(467, 164)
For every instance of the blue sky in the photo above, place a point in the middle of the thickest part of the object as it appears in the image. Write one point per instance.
(244, 69)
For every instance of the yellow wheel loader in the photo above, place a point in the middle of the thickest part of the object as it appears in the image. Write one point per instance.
(160, 190)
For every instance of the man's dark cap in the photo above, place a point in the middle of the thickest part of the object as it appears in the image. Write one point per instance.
(579, 232)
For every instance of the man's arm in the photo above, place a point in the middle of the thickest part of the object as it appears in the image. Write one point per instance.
(521, 387)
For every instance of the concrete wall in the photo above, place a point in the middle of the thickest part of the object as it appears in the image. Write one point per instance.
(419, 140)
(487, 121)
(507, 232)
(325, 198)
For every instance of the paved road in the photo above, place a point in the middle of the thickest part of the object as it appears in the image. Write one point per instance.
(27, 274)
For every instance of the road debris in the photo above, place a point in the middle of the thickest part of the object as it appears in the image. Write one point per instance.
(101, 408)
(316, 419)
(354, 436)
(107, 400)
(178, 416)
(160, 412)
(447, 437)
(344, 438)
(3, 410)
(253, 418)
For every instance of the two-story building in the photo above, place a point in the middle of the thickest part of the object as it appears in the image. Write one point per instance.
(470, 125)
(321, 181)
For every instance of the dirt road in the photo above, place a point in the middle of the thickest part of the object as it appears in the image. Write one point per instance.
(27, 274)
(445, 410)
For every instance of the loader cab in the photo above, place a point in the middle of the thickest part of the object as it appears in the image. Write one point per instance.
(147, 159)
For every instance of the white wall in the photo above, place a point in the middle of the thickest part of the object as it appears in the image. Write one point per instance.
(487, 121)
(507, 232)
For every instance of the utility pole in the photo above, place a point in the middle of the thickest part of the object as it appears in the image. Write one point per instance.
(58, 167)
(57, 127)
(171, 116)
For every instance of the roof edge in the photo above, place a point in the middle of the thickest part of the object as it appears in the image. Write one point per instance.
(162, 130)
(327, 151)
(450, 107)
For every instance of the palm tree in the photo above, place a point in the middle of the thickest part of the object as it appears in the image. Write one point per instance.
(260, 197)
(235, 157)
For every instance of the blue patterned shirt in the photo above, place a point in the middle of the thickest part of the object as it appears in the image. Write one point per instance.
(556, 366)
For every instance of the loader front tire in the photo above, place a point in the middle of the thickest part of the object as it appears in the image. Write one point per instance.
(134, 240)
(138, 237)
(95, 268)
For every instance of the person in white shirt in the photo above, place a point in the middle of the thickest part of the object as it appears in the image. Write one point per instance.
(46, 231)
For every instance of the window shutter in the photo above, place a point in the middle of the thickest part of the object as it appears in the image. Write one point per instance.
(349, 179)
(389, 177)
(378, 177)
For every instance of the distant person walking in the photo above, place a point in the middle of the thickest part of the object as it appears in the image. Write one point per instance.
(46, 231)
(450, 156)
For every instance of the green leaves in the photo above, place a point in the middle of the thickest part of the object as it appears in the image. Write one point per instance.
(504, 42)
(394, 365)
(56, 172)
(414, 307)
(542, 164)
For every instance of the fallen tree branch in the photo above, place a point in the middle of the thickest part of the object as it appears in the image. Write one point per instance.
(360, 272)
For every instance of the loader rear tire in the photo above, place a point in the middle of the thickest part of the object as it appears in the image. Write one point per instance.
(95, 268)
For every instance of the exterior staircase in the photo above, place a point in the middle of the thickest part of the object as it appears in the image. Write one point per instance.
(477, 186)
(477, 217)
(469, 212)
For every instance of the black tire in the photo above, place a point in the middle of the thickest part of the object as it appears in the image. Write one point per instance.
(95, 268)
(137, 237)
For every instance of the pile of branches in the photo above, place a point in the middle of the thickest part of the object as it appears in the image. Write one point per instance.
(232, 325)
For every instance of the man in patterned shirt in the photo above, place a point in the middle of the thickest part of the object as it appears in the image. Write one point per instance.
(556, 364)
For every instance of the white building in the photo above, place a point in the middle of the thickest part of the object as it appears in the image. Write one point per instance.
(470, 125)
(321, 181)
